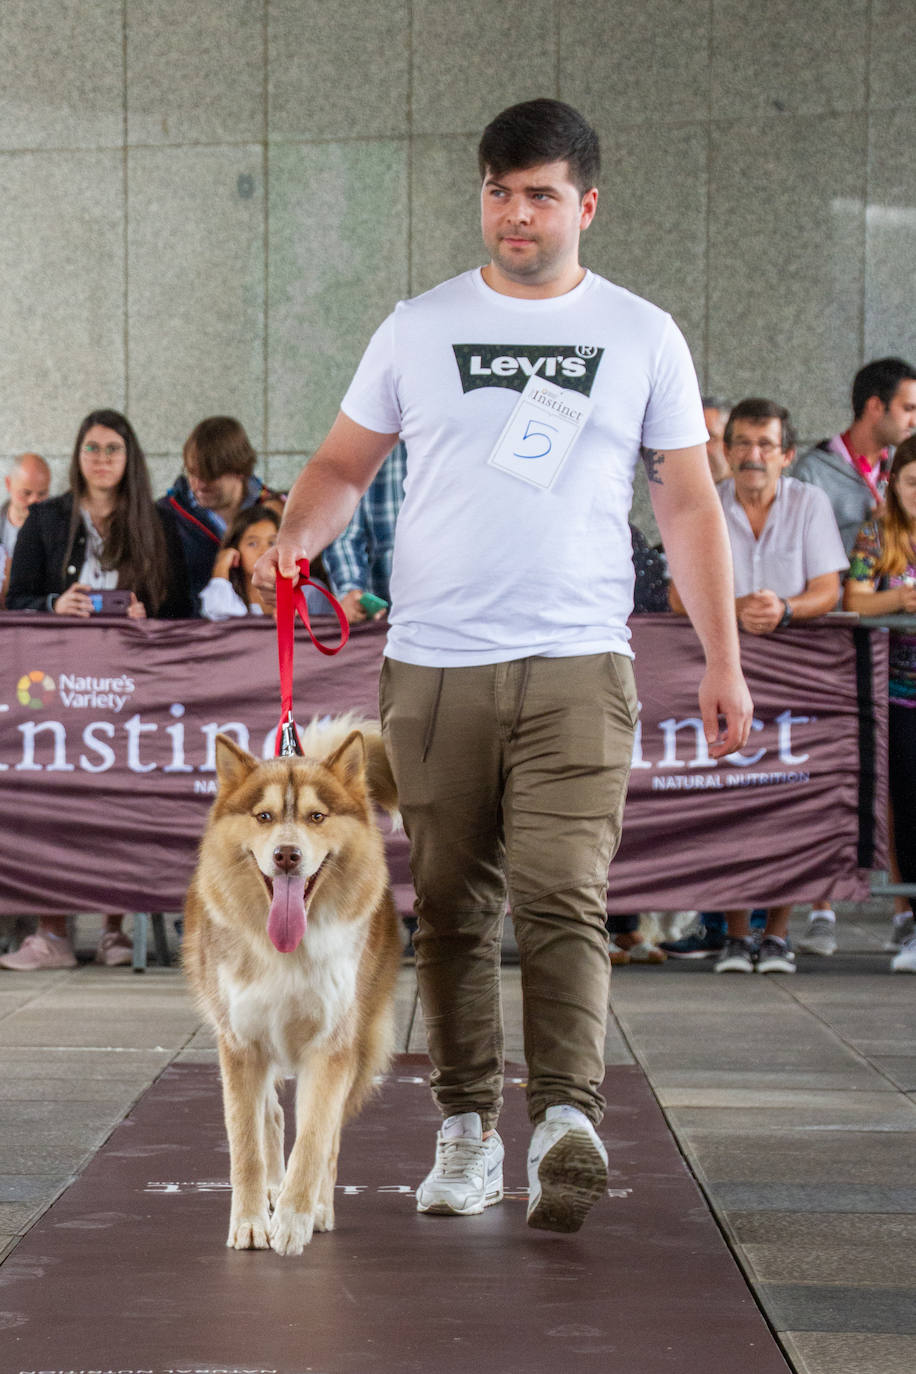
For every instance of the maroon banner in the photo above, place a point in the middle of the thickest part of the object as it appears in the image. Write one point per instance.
(107, 736)
(799, 813)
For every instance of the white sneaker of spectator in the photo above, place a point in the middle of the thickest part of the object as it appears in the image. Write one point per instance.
(820, 934)
(905, 961)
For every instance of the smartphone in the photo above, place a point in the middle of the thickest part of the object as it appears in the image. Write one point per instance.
(372, 604)
(113, 601)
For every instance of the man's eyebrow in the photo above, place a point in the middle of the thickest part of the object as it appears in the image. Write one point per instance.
(529, 190)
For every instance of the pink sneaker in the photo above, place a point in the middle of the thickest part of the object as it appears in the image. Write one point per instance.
(40, 951)
(113, 949)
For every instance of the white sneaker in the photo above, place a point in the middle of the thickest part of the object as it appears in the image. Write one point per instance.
(775, 956)
(567, 1170)
(468, 1173)
(905, 961)
(819, 936)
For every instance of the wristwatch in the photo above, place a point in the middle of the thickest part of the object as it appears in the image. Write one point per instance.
(786, 615)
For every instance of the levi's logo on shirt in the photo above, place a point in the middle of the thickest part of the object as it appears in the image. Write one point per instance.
(511, 366)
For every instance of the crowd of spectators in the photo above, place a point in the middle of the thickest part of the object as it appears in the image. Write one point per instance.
(833, 527)
(791, 538)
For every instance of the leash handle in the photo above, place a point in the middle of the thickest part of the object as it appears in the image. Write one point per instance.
(290, 603)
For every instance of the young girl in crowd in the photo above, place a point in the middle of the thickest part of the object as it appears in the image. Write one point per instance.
(105, 532)
(229, 591)
(882, 581)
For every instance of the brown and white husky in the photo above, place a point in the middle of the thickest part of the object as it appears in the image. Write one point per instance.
(292, 946)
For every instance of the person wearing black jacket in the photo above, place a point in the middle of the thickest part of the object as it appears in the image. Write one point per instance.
(104, 532)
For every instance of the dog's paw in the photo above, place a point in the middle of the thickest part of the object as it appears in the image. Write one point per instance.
(289, 1231)
(324, 1217)
(248, 1233)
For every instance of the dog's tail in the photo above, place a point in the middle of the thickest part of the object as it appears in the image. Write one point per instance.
(325, 733)
(382, 786)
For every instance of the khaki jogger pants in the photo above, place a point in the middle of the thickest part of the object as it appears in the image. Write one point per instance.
(512, 779)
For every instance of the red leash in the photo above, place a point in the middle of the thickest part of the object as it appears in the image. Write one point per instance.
(290, 601)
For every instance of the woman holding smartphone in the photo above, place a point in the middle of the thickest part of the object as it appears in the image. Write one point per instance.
(104, 533)
(72, 556)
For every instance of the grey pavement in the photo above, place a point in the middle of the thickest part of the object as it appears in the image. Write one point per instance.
(792, 1098)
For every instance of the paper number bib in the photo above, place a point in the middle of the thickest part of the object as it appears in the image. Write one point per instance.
(540, 432)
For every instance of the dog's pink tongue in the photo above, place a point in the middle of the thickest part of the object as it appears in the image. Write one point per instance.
(286, 922)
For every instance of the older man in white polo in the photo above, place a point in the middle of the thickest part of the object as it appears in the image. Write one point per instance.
(788, 557)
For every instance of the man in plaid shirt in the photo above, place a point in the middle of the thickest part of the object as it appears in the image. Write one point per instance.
(359, 560)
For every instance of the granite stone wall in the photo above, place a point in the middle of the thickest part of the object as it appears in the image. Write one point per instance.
(208, 205)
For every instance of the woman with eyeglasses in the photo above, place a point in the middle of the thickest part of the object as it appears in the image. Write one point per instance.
(104, 533)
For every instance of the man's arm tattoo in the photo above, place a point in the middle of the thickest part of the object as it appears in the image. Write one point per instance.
(653, 460)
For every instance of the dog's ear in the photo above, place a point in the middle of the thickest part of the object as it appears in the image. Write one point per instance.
(233, 764)
(348, 762)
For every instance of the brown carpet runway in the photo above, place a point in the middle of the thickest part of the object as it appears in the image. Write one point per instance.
(128, 1272)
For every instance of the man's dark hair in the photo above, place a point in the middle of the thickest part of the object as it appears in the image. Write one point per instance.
(539, 131)
(219, 447)
(758, 409)
(880, 378)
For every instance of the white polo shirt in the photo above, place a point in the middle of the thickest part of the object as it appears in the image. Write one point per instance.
(799, 541)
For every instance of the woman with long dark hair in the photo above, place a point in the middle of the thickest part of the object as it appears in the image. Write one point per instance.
(882, 581)
(105, 532)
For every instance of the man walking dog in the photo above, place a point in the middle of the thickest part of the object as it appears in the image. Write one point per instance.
(524, 392)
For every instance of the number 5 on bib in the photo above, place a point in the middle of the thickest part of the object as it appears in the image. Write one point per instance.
(540, 433)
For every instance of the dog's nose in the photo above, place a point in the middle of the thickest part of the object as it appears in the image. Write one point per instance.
(287, 857)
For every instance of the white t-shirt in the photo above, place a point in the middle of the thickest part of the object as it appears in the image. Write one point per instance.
(220, 601)
(487, 567)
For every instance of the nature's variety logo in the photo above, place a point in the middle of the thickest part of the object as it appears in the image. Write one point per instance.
(35, 689)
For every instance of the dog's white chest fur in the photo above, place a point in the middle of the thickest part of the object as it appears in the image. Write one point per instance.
(316, 984)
